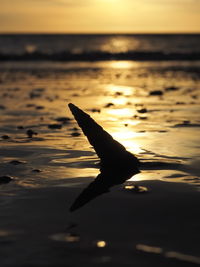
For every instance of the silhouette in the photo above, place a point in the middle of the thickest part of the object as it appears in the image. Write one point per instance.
(116, 165)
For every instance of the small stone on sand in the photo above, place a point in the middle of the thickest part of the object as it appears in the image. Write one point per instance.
(5, 179)
(142, 110)
(156, 92)
(108, 105)
(16, 162)
(54, 126)
(30, 133)
(75, 134)
(63, 119)
(5, 137)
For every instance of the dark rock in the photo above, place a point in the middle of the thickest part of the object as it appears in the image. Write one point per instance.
(16, 162)
(108, 105)
(156, 92)
(75, 134)
(30, 105)
(34, 95)
(94, 110)
(30, 133)
(2, 107)
(143, 118)
(143, 110)
(5, 137)
(55, 126)
(118, 93)
(39, 107)
(180, 103)
(20, 127)
(74, 129)
(135, 116)
(36, 170)
(63, 119)
(5, 179)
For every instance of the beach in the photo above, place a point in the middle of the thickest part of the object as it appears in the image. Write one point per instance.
(152, 107)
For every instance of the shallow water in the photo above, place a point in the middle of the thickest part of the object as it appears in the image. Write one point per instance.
(161, 129)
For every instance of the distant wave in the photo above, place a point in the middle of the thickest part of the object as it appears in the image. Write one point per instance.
(100, 56)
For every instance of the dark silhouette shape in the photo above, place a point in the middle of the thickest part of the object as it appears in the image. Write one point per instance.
(116, 166)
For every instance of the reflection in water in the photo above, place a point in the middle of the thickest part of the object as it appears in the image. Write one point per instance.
(121, 112)
(123, 64)
(168, 254)
(149, 249)
(117, 164)
(136, 188)
(70, 238)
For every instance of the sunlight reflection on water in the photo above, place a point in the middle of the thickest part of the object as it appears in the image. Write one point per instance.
(118, 90)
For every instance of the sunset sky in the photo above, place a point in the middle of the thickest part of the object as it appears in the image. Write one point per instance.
(99, 16)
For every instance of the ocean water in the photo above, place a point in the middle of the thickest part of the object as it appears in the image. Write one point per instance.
(100, 47)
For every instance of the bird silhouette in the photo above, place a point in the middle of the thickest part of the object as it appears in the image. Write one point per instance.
(116, 164)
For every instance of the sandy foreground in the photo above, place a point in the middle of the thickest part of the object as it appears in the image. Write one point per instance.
(160, 226)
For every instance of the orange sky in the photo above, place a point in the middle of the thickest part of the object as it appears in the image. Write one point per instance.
(89, 16)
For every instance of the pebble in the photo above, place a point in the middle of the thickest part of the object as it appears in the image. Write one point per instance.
(143, 110)
(2, 107)
(39, 107)
(94, 110)
(36, 170)
(75, 134)
(5, 179)
(30, 133)
(118, 93)
(34, 95)
(54, 126)
(30, 105)
(16, 162)
(20, 127)
(5, 137)
(143, 118)
(180, 103)
(108, 105)
(63, 119)
(156, 92)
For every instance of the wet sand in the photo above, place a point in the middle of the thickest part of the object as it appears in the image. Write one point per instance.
(153, 110)
(160, 226)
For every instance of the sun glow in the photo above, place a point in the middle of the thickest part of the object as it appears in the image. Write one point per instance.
(123, 64)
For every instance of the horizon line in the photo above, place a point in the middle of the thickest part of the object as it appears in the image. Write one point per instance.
(98, 33)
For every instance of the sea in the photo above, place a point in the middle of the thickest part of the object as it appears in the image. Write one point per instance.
(86, 47)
